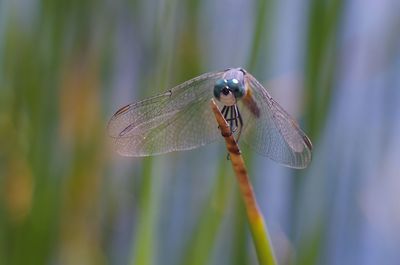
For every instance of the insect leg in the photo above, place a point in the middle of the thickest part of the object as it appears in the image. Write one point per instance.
(240, 123)
(225, 111)
(236, 115)
(232, 118)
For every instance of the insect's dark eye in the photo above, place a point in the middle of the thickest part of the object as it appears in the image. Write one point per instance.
(220, 86)
(236, 87)
(233, 84)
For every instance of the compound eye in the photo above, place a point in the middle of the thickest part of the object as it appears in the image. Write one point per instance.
(236, 87)
(233, 82)
(220, 83)
(219, 87)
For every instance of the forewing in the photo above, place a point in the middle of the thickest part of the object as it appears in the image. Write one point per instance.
(270, 130)
(179, 119)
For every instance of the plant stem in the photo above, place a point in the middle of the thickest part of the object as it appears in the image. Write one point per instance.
(255, 218)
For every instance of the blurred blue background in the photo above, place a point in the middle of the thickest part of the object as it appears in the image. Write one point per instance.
(67, 66)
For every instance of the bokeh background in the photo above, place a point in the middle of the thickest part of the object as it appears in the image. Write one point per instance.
(67, 66)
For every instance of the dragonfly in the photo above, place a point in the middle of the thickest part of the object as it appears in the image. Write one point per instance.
(181, 119)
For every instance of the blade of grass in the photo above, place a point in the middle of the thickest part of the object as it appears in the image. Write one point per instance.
(254, 216)
(200, 248)
(320, 74)
(144, 240)
(258, 34)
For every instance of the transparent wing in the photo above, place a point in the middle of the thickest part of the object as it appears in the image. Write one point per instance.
(270, 130)
(179, 119)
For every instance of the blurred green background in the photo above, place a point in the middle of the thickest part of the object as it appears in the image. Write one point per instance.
(67, 66)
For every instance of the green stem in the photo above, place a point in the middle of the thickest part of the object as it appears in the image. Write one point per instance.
(256, 221)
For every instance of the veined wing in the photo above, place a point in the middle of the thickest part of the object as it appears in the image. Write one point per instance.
(179, 119)
(270, 130)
